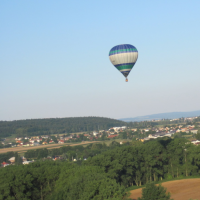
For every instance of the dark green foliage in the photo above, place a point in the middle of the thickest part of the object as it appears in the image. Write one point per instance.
(69, 151)
(86, 183)
(197, 136)
(18, 159)
(153, 192)
(35, 127)
(15, 183)
(34, 181)
(105, 174)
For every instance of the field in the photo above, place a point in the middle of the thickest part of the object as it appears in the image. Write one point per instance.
(48, 146)
(22, 150)
(184, 189)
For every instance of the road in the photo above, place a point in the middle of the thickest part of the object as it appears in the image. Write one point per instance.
(48, 146)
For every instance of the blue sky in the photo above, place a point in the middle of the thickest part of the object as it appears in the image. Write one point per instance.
(54, 58)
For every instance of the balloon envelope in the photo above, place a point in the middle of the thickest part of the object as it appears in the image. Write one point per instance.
(123, 57)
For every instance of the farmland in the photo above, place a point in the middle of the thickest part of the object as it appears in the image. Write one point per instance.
(180, 189)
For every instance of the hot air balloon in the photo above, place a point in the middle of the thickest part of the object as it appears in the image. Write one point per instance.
(123, 57)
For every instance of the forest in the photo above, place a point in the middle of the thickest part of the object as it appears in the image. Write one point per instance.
(35, 127)
(100, 172)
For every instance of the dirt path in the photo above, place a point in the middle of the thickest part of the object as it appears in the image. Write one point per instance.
(180, 189)
(48, 146)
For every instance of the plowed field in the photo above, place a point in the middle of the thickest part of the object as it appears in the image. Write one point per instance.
(180, 189)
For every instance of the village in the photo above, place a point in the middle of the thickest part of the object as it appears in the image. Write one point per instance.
(124, 132)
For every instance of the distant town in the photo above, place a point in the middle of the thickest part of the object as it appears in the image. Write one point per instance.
(186, 128)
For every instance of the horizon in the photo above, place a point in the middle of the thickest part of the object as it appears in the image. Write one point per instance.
(121, 119)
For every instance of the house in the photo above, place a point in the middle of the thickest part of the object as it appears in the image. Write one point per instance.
(4, 164)
(152, 136)
(116, 128)
(26, 162)
(134, 129)
(112, 136)
(44, 143)
(95, 133)
(184, 129)
(18, 138)
(12, 160)
(195, 142)
(51, 141)
(61, 141)
(27, 144)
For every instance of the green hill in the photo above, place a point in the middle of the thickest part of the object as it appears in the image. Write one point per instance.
(32, 127)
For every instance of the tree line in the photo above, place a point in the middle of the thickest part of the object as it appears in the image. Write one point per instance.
(106, 173)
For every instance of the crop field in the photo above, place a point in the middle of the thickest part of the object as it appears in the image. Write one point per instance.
(184, 189)
(48, 146)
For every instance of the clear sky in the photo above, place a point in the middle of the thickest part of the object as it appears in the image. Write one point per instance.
(54, 58)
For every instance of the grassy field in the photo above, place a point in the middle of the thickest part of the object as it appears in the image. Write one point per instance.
(10, 138)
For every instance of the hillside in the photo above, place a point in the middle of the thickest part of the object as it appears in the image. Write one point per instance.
(32, 127)
(170, 115)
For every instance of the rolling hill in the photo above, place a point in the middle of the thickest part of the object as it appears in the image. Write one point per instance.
(170, 115)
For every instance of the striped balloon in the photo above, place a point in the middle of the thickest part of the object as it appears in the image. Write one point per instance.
(123, 57)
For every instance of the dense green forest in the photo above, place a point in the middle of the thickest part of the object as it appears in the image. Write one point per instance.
(33, 127)
(106, 174)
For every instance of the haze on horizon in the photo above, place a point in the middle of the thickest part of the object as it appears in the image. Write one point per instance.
(54, 58)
